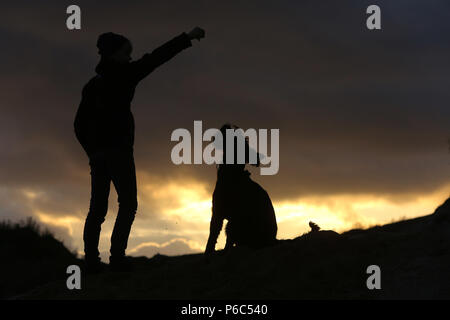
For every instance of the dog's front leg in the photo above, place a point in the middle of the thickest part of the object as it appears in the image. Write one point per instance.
(214, 230)
(230, 239)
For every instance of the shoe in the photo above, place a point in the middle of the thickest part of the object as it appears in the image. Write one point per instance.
(93, 266)
(120, 264)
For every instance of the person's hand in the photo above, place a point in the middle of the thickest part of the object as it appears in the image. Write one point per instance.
(196, 33)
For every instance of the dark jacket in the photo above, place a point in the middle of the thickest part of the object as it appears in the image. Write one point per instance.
(104, 118)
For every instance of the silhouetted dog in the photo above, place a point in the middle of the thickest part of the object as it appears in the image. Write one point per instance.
(244, 203)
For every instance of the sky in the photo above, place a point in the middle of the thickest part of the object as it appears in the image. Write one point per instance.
(363, 115)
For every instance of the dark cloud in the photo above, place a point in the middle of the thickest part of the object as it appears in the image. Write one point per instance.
(14, 204)
(358, 111)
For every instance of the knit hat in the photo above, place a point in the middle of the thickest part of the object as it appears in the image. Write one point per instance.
(108, 43)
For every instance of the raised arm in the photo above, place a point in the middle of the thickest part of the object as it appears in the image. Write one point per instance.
(150, 61)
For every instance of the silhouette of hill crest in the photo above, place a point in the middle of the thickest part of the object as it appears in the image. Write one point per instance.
(413, 255)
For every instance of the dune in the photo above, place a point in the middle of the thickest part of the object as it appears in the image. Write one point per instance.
(413, 257)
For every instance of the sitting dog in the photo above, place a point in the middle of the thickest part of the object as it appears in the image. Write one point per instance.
(244, 204)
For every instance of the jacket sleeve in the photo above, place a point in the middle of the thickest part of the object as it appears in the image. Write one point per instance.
(150, 61)
(80, 123)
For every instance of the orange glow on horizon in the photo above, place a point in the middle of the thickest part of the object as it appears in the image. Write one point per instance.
(188, 206)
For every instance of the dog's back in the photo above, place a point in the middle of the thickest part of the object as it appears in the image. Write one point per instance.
(247, 207)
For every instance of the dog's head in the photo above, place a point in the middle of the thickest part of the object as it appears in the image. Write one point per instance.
(248, 150)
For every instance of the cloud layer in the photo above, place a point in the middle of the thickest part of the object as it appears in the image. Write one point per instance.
(360, 113)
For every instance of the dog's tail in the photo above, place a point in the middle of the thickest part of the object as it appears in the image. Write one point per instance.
(314, 227)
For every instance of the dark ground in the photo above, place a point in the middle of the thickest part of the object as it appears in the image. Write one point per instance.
(414, 257)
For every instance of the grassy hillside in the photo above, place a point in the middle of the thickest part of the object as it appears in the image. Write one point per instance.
(414, 257)
(30, 257)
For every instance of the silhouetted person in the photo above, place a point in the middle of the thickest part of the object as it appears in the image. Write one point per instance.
(243, 202)
(104, 126)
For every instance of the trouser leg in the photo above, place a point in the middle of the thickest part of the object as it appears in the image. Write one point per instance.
(100, 187)
(123, 174)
